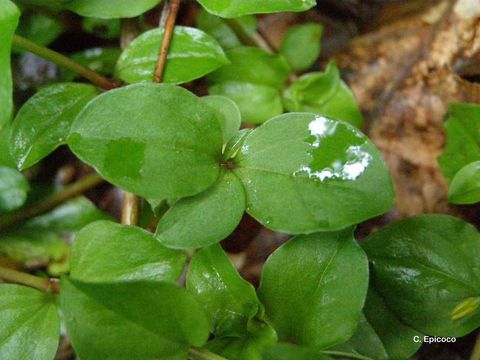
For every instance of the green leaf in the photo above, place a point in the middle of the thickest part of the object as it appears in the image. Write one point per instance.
(323, 93)
(395, 336)
(105, 252)
(229, 300)
(301, 45)
(228, 114)
(253, 65)
(107, 9)
(236, 8)
(305, 173)
(13, 189)
(235, 144)
(285, 351)
(102, 28)
(42, 239)
(248, 347)
(43, 123)
(5, 156)
(9, 15)
(137, 319)
(314, 288)
(364, 342)
(201, 220)
(192, 54)
(257, 103)
(463, 139)
(30, 324)
(102, 60)
(465, 186)
(40, 29)
(425, 268)
(220, 30)
(155, 140)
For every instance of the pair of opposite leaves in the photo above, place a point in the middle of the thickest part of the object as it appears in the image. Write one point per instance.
(297, 173)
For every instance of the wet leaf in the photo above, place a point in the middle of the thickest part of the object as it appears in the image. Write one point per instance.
(301, 45)
(192, 54)
(236, 8)
(43, 123)
(432, 261)
(13, 189)
(9, 15)
(155, 140)
(324, 173)
(145, 319)
(229, 301)
(132, 254)
(107, 9)
(30, 324)
(323, 93)
(314, 287)
(201, 220)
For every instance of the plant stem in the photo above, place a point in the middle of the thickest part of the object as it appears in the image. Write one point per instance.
(202, 354)
(61, 60)
(51, 201)
(476, 349)
(130, 209)
(256, 39)
(346, 354)
(173, 7)
(18, 277)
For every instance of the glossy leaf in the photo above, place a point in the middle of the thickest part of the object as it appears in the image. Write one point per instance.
(155, 140)
(220, 30)
(9, 15)
(323, 93)
(107, 9)
(305, 173)
(5, 157)
(136, 319)
(201, 220)
(229, 300)
(257, 103)
(236, 8)
(228, 115)
(30, 324)
(248, 347)
(192, 54)
(465, 186)
(285, 351)
(40, 29)
(43, 123)
(13, 189)
(105, 252)
(396, 337)
(252, 65)
(425, 268)
(463, 139)
(314, 288)
(102, 60)
(301, 45)
(235, 144)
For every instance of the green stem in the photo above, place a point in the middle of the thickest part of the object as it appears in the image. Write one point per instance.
(61, 60)
(345, 354)
(51, 201)
(255, 40)
(476, 349)
(18, 277)
(203, 354)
